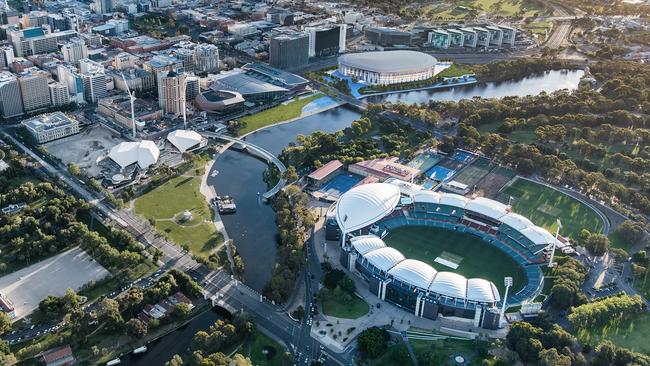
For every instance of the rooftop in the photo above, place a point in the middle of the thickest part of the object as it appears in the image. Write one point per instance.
(48, 121)
(389, 61)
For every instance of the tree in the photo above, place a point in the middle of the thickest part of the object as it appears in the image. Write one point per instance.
(109, 312)
(290, 174)
(74, 169)
(5, 323)
(631, 232)
(181, 311)
(136, 328)
(176, 360)
(550, 357)
(373, 342)
(597, 244)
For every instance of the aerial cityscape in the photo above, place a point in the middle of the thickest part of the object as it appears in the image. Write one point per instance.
(212, 183)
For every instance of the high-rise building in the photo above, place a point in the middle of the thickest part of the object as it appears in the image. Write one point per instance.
(103, 6)
(206, 57)
(186, 56)
(74, 50)
(70, 76)
(34, 90)
(124, 60)
(59, 93)
(170, 92)
(11, 103)
(34, 41)
(387, 36)
(327, 40)
(192, 87)
(6, 56)
(94, 80)
(9, 16)
(34, 18)
(57, 22)
(289, 51)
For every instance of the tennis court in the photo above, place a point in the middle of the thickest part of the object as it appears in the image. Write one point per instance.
(340, 184)
(463, 156)
(474, 172)
(440, 173)
(424, 161)
(492, 183)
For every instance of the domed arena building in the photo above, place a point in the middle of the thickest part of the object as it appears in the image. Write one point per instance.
(388, 67)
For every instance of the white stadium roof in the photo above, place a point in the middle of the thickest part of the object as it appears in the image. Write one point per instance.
(145, 153)
(366, 243)
(414, 272)
(449, 284)
(426, 197)
(184, 139)
(384, 258)
(400, 61)
(516, 221)
(485, 206)
(481, 290)
(366, 204)
(538, 235)
(452, 199)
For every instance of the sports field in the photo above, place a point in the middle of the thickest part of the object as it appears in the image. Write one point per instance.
(479, 259)
(632, 334)
(492, 183)
(474, 172)
(543, 205)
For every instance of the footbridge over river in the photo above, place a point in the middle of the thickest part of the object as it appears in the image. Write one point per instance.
(257, 152)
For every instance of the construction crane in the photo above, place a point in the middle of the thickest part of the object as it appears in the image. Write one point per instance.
(131, 99)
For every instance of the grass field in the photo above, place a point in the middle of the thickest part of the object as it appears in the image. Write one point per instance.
(254, 348)
(503, 8)
(340, 304)
(474, 172)
(442, 352)
(165, 204)
(480, 260)
(277, 114)
(455, 70)
(631, 334)
(543, 205)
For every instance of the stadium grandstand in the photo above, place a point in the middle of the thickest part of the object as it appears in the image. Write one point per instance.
(365, 214)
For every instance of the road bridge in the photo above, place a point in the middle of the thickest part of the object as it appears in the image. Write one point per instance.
(259, 153)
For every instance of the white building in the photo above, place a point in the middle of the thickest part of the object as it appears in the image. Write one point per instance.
(34, 90)
(389, 67)
(242, 29)
(48, 127)
(320, 39)
(144, 153)
(94, 80)
(59, 94)
(171, 96)
(70, 76)
(11, 103)
(184, 140)
(74, 50)
(206, 57)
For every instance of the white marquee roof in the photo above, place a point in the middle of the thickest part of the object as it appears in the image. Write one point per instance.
(485, 206)
(414, 272)
(452, 199)
(426, 197)
(538, 235)
(366, 243)
(481, 290)
(366, 204)
(184, 139)
(145, 153)
(516, 221)
(384, 258)
(449, 284)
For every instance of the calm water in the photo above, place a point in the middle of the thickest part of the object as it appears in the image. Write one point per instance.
(549, 82)
(253, 226)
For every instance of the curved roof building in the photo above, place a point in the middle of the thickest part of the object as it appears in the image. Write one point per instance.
(184, 140)
(388, 67)
(364, 205)
(218, 100)
(145, 153)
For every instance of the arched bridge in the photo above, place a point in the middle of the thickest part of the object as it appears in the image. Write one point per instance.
(259, 153)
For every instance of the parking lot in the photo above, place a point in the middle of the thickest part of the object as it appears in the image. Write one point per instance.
(52, 276)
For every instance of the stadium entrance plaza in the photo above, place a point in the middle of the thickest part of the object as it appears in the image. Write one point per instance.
(386, 315)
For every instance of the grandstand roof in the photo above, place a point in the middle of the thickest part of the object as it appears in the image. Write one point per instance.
(538, 235)
(145, 153)
(516, 221)
(366, 204)
(389, 61)
(426, 197)
(184, 139)
(366, 243)
(449, 284)
(487, 207)
(481, 290)
(384, 258)
(452, 199)
(414, 272)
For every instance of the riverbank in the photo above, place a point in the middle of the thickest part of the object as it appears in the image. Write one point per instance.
(469, 80)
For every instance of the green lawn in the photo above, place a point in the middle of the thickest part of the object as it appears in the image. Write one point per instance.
(543, 205)
(455, 70)
(277, 114)
(504, 8)
(254, 349)
(340, 304)
(480, 259)
(630, 334)
(165, 204)
(442, 352)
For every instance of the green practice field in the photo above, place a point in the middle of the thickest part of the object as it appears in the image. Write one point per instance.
(632, 334)
(474, 172)
(479, 259)
(281, 113)
(543, 205)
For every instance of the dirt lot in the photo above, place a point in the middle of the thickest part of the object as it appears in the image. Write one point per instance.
(85, 149)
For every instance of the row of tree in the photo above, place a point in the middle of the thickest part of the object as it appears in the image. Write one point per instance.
(606, 311)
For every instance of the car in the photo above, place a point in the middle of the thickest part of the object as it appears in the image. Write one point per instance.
(32, 327)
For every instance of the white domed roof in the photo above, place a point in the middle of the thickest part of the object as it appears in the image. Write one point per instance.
(426, 197)
(538, 235)
(449, 284)
(485, 206)
(516, 221)
(366, 204)
(481, 290)
(184, 139)
(145, 153)
(452, 199)
(384, 258)
(366, 243)
(414, 272)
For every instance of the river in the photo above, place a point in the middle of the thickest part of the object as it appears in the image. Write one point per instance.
(253, 228)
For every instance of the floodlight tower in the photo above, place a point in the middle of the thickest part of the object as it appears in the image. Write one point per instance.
(557, 233)
(507, 281)
(184, 99)
(131, 99)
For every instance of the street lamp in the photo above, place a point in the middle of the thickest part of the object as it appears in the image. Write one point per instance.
(507, 281)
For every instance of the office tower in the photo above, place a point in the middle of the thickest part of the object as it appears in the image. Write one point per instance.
(94, 80)
(289, 51)
(59, 93)
(103, 6)
(327, 39)
(206, 57)
(74, 50)
(34, 90)
(186, 56)
(34, 41)
(192, 87)
(6, 56)
(11, 103)
(170, 92)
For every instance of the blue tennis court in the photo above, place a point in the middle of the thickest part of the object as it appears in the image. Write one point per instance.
(440, 173)
(340, 184)
(462, 156)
